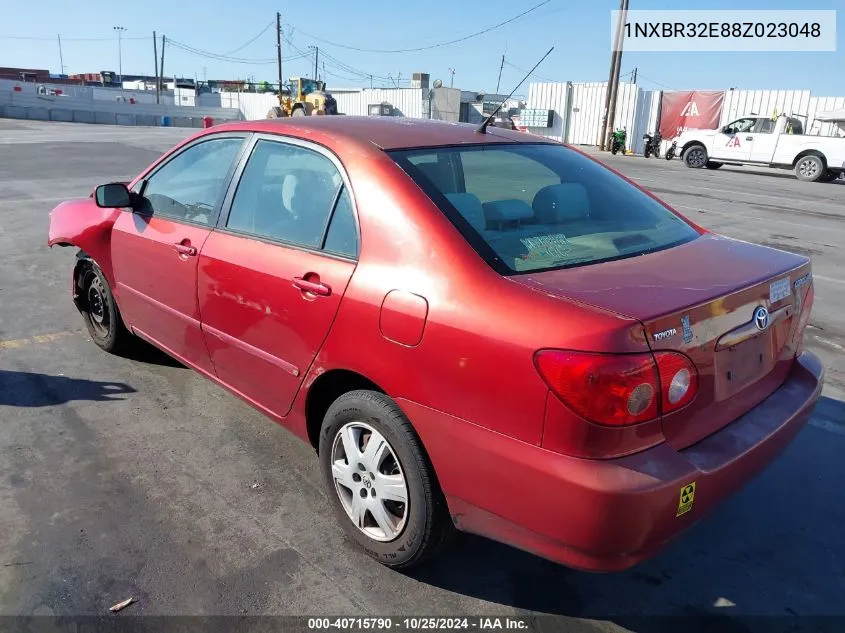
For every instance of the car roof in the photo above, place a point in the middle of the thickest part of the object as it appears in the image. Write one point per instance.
(387, 133)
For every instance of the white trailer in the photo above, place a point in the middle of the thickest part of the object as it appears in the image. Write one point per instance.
(780, 142)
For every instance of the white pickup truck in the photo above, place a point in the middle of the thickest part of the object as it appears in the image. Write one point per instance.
(755, 140)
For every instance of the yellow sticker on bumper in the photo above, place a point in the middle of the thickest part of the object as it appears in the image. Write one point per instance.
(687, 498)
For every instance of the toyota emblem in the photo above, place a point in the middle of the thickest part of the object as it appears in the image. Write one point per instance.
(761, 318)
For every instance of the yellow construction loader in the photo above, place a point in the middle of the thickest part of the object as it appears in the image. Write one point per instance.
(303, 97)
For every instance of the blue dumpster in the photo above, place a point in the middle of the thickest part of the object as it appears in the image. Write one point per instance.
(165, 121)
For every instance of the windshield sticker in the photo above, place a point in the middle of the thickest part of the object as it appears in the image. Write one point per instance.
(687, 328)
(556, 246)
(779, 290)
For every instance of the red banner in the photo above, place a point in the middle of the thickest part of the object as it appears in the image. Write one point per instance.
(690, 110)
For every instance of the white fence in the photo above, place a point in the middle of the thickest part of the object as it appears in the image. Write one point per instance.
(84, 104)
(407, 102)
(579, 109)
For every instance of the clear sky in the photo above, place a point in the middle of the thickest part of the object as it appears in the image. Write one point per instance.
(580, 32)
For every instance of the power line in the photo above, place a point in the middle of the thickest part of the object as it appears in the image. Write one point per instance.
(336, 64)
(425, 48)
(243, 46)
(651, 81)
(225, 58)
(522, 70)
(67, 39)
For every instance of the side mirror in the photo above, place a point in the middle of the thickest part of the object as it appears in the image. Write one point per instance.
(114, 195)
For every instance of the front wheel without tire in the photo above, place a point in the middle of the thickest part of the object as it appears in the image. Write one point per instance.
(99, 310)
(695, 157)
(380, 481)
(810, 168)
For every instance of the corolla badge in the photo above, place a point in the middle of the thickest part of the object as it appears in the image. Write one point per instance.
(761, 318)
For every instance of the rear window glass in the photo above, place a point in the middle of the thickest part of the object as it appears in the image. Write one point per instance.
(532, 207)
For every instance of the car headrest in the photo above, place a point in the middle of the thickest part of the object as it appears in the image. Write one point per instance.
(507, 211)
(289, 189)
(560, 203)
(469, 206)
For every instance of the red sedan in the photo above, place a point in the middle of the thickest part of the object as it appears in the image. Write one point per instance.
(485, 331)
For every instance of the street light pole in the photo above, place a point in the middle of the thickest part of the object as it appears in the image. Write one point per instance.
(120, 31)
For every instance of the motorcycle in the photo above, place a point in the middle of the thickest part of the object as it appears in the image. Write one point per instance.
(670, 153)
(652, 144)
(617, 141)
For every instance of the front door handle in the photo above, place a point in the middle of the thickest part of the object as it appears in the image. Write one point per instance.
(317, 288)
(185, 249)
(749, 138)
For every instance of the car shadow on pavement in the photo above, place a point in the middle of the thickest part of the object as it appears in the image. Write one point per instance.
(143, 352)
(27, 389)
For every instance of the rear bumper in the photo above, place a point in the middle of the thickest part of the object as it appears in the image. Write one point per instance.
(606, 515)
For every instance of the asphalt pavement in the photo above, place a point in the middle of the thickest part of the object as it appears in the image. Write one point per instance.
(136, 477)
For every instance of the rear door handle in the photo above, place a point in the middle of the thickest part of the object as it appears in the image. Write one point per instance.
(316, 288)
(185, 249)
(749, 138)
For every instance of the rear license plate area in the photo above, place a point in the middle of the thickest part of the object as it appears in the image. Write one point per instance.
(742, 365)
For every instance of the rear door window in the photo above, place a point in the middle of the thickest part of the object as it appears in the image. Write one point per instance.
(530, 207)
(286, 193)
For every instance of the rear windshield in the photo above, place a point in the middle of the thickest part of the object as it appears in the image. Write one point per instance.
(533, 207)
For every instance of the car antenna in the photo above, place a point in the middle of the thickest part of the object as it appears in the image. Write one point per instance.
(482, 129)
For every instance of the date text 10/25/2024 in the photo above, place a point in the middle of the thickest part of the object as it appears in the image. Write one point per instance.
(480, 623)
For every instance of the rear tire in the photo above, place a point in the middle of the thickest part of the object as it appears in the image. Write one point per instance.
(99, 310)
(276, 112)
(647, 152)
(810, 168)
(695, 156)
(712, 165)
(365, 488)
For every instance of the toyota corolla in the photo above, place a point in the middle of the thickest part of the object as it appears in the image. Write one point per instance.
(479, 330)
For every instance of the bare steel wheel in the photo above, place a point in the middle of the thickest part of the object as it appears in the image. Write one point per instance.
(99, 309)
(95, 296)
(380, 480)
(369, 481)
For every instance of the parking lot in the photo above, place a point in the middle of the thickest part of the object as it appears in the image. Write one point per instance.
(137, 477)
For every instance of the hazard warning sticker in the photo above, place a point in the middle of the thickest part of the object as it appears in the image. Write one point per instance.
(687, 497)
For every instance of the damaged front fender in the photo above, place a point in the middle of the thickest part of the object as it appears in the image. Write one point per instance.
(83, 224)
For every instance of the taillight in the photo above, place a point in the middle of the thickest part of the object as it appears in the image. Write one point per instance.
(678, 380)
(619, 389)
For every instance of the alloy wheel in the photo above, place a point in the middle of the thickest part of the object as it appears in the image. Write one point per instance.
(369, 481)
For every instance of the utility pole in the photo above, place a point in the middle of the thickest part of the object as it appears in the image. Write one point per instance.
(279, 49)
(316, 61)
(613, 86)
(500, 74)
(161, 72)
(634, 76)
(61, 59)
(615, 56)
(120, 31)
(452, 80)
(371, 82)
(155, 65)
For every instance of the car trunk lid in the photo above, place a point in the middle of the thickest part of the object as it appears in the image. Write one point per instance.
(732, 307)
